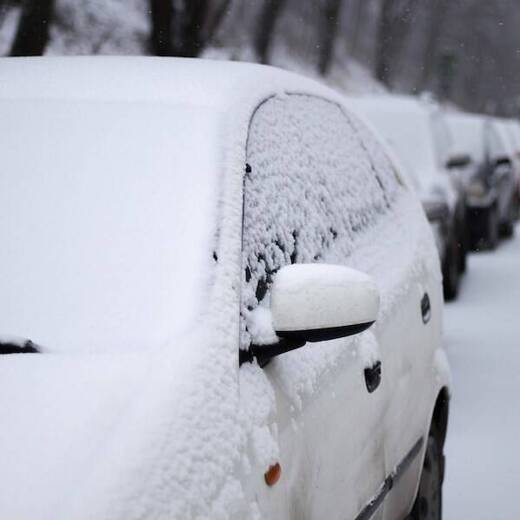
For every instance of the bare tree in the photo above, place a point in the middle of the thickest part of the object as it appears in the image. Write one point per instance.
(437, 13)
(216, 18)
(191, 31)
(328, 34)
(394, 23)
(32, 33)
(265, 28)
(185, 30)
(161, 13)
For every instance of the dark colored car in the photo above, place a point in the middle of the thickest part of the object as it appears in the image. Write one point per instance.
(488, 177)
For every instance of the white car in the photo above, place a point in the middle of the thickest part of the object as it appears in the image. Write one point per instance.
(417, 132)
(220, 297)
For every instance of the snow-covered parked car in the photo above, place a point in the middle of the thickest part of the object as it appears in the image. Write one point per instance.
(234, 296)
(418, 133)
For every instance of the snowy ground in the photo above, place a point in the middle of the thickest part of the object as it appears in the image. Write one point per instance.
(482, 334)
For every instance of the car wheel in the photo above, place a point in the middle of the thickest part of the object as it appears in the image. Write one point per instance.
(450, 272)
(428, 504)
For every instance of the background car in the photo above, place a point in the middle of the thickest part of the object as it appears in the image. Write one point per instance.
(418, 133)
(470, 136)
(202, 249)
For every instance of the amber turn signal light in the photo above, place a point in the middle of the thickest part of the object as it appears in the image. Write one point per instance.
(272, 475)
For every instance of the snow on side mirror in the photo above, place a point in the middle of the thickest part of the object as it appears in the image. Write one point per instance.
(318, 302)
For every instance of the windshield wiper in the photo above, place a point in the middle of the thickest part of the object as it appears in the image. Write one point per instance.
(18, 347)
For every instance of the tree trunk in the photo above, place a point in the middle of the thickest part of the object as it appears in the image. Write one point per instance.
(265, 29)
(438, 11)
(383, 54)
(32, 33)
(161, 17)
(358, 9)
(394, 23)
(192, 41)
(216, 20)
(328, 36)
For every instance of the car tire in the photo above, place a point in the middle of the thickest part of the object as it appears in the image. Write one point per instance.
(428, 503)
(463, 256)
(492, 229)
(451, 272)
(508, 229)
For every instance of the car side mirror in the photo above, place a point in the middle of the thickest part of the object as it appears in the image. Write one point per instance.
(318, 302)
(458, 161)
(502, 161)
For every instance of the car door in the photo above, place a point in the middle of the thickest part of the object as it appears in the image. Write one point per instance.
(310, 193)
(408, 329)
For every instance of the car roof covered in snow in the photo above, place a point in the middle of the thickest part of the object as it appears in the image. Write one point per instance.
(169, 80)
(467, 131)
(405, 123)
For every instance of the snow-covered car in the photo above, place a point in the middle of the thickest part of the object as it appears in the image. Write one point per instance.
(233, 300)
(417, 132)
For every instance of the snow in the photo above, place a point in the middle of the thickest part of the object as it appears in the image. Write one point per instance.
(95, 222)
(468, 135)
(404, 122)
(481, 337)
(319, 296)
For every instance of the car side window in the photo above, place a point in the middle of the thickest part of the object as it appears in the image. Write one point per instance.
(315, 180)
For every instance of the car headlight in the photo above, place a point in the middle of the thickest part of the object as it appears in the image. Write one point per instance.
(476, 188)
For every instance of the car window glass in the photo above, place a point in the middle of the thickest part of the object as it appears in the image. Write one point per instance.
(315, 180)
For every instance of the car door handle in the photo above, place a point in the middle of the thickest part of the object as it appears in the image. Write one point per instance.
(373, 376)
(426, 308)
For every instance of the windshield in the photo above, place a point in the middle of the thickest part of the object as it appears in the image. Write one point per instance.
(107, 224)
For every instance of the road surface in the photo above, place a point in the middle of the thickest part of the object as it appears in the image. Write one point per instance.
(482, 337)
